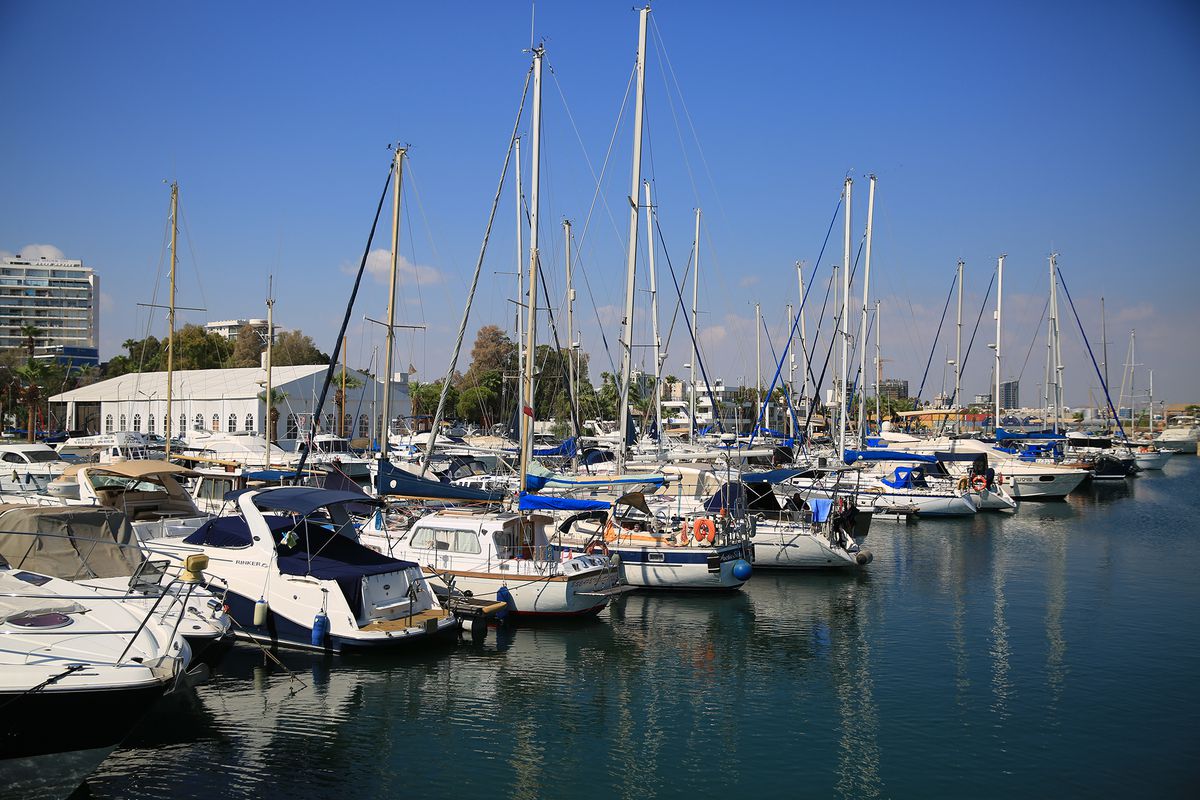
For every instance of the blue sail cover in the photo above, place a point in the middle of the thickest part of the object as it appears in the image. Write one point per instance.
(565, 450)
(393, 480)
(906, 478)
(851, 456)
(537, 502)
(1002, 434)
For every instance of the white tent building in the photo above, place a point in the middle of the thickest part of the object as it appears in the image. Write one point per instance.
(227, 400)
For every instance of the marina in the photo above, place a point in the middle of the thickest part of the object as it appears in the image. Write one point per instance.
(1043, 652)
(634, 452)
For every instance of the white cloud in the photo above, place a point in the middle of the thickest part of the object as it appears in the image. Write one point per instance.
(40, 251)
(749, 280)
(379, 266)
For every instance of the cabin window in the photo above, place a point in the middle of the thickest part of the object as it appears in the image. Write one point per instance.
(150, 424)
(364, 426)
(13, 458)
(137, 423)
(123, 423)
(232, 423)
(216, 422)
(446, 539)
(293, 427)
(214, 488)
(108, 423)
(199, 422)
(249, 423)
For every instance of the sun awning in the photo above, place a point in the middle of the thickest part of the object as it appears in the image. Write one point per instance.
(141, 468)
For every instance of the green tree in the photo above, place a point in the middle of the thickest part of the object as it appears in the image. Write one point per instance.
(277, 399)
(32, 379)
(31, 333)
(247, 348)
(477, 404)
(293, 348)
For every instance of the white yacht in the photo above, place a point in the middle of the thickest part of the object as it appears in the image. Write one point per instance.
(1180, 433)
(77, 672)
(296, 577)
(28, 467)
(499, 555)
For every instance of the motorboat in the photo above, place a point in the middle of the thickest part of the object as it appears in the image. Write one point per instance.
(507, 556)
(105, 448)
(1180, 433)
(96, 549)
(297, 577)
(78, 671)
(28, 467)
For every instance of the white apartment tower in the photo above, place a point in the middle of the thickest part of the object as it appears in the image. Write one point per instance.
(59, 296)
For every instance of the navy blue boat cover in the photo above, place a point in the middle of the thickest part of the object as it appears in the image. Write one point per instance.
(393, 480)
(537, 502)
(850, 456)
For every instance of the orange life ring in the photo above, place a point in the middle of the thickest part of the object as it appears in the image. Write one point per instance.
(979, 483)
(704, 530)
(684, 534)
(596, 544)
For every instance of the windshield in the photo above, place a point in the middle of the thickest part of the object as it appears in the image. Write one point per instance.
(39, 456)
(128, 484)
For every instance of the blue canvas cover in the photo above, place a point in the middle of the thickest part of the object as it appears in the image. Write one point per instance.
(820, 508)
(729, 496)
(535, 502)
(395, 481)
(850, 456)
(1002, 434)
(906, 478)
(232, 531)
(325, 555)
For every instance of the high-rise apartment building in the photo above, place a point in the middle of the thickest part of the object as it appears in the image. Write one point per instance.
(60, 297)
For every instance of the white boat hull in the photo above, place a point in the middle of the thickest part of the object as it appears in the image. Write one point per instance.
(1155, 460)
(535, 595)
(792, 547)
(1043, 485)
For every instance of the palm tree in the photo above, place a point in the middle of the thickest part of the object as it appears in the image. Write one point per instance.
(31, 333)
(29, 379)
(339, 399)
(277, 398)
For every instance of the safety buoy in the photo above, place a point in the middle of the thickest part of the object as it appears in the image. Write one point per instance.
(594, 545)
(979, 483)
(703, 530)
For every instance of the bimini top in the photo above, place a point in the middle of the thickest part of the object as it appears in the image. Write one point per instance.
(305, 499)
(140, 468)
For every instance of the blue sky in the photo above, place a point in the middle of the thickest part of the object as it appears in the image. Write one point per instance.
(992, 127)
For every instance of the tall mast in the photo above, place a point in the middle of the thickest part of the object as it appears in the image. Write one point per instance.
(527, 410)
(658, 357)
(1150, 427)
(803, 348)
(341, 426)
(878, 374)
(635, 182)
(268, 431)
(390, 329)
(695, 329)
(1056, 350)
(1132, 375)
(958, 352)
(1104, 355)
(791, 385)
(572, 365)
(862, 335)
(520, 278)
(758, 397)
(999, 308)
(843, 327)
(171, 312)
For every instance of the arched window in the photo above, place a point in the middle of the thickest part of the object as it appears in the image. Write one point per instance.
(108, 423)
(232, 423)
(166, 426)
(150, 424)
(293, 428)
(249, 423)
(364, 426)
(216, 426)
(199, 422)
(123, 425)
(137, 423)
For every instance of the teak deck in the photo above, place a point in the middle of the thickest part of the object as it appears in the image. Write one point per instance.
(415, 621)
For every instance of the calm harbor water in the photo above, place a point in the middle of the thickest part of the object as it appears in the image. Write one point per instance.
(1049, 652)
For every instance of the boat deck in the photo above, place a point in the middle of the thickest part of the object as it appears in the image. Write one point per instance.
(415, 621)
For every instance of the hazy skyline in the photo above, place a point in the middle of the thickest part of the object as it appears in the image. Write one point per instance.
(1012, 128)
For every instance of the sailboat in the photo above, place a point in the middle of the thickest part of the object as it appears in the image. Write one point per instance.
(507, 556)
